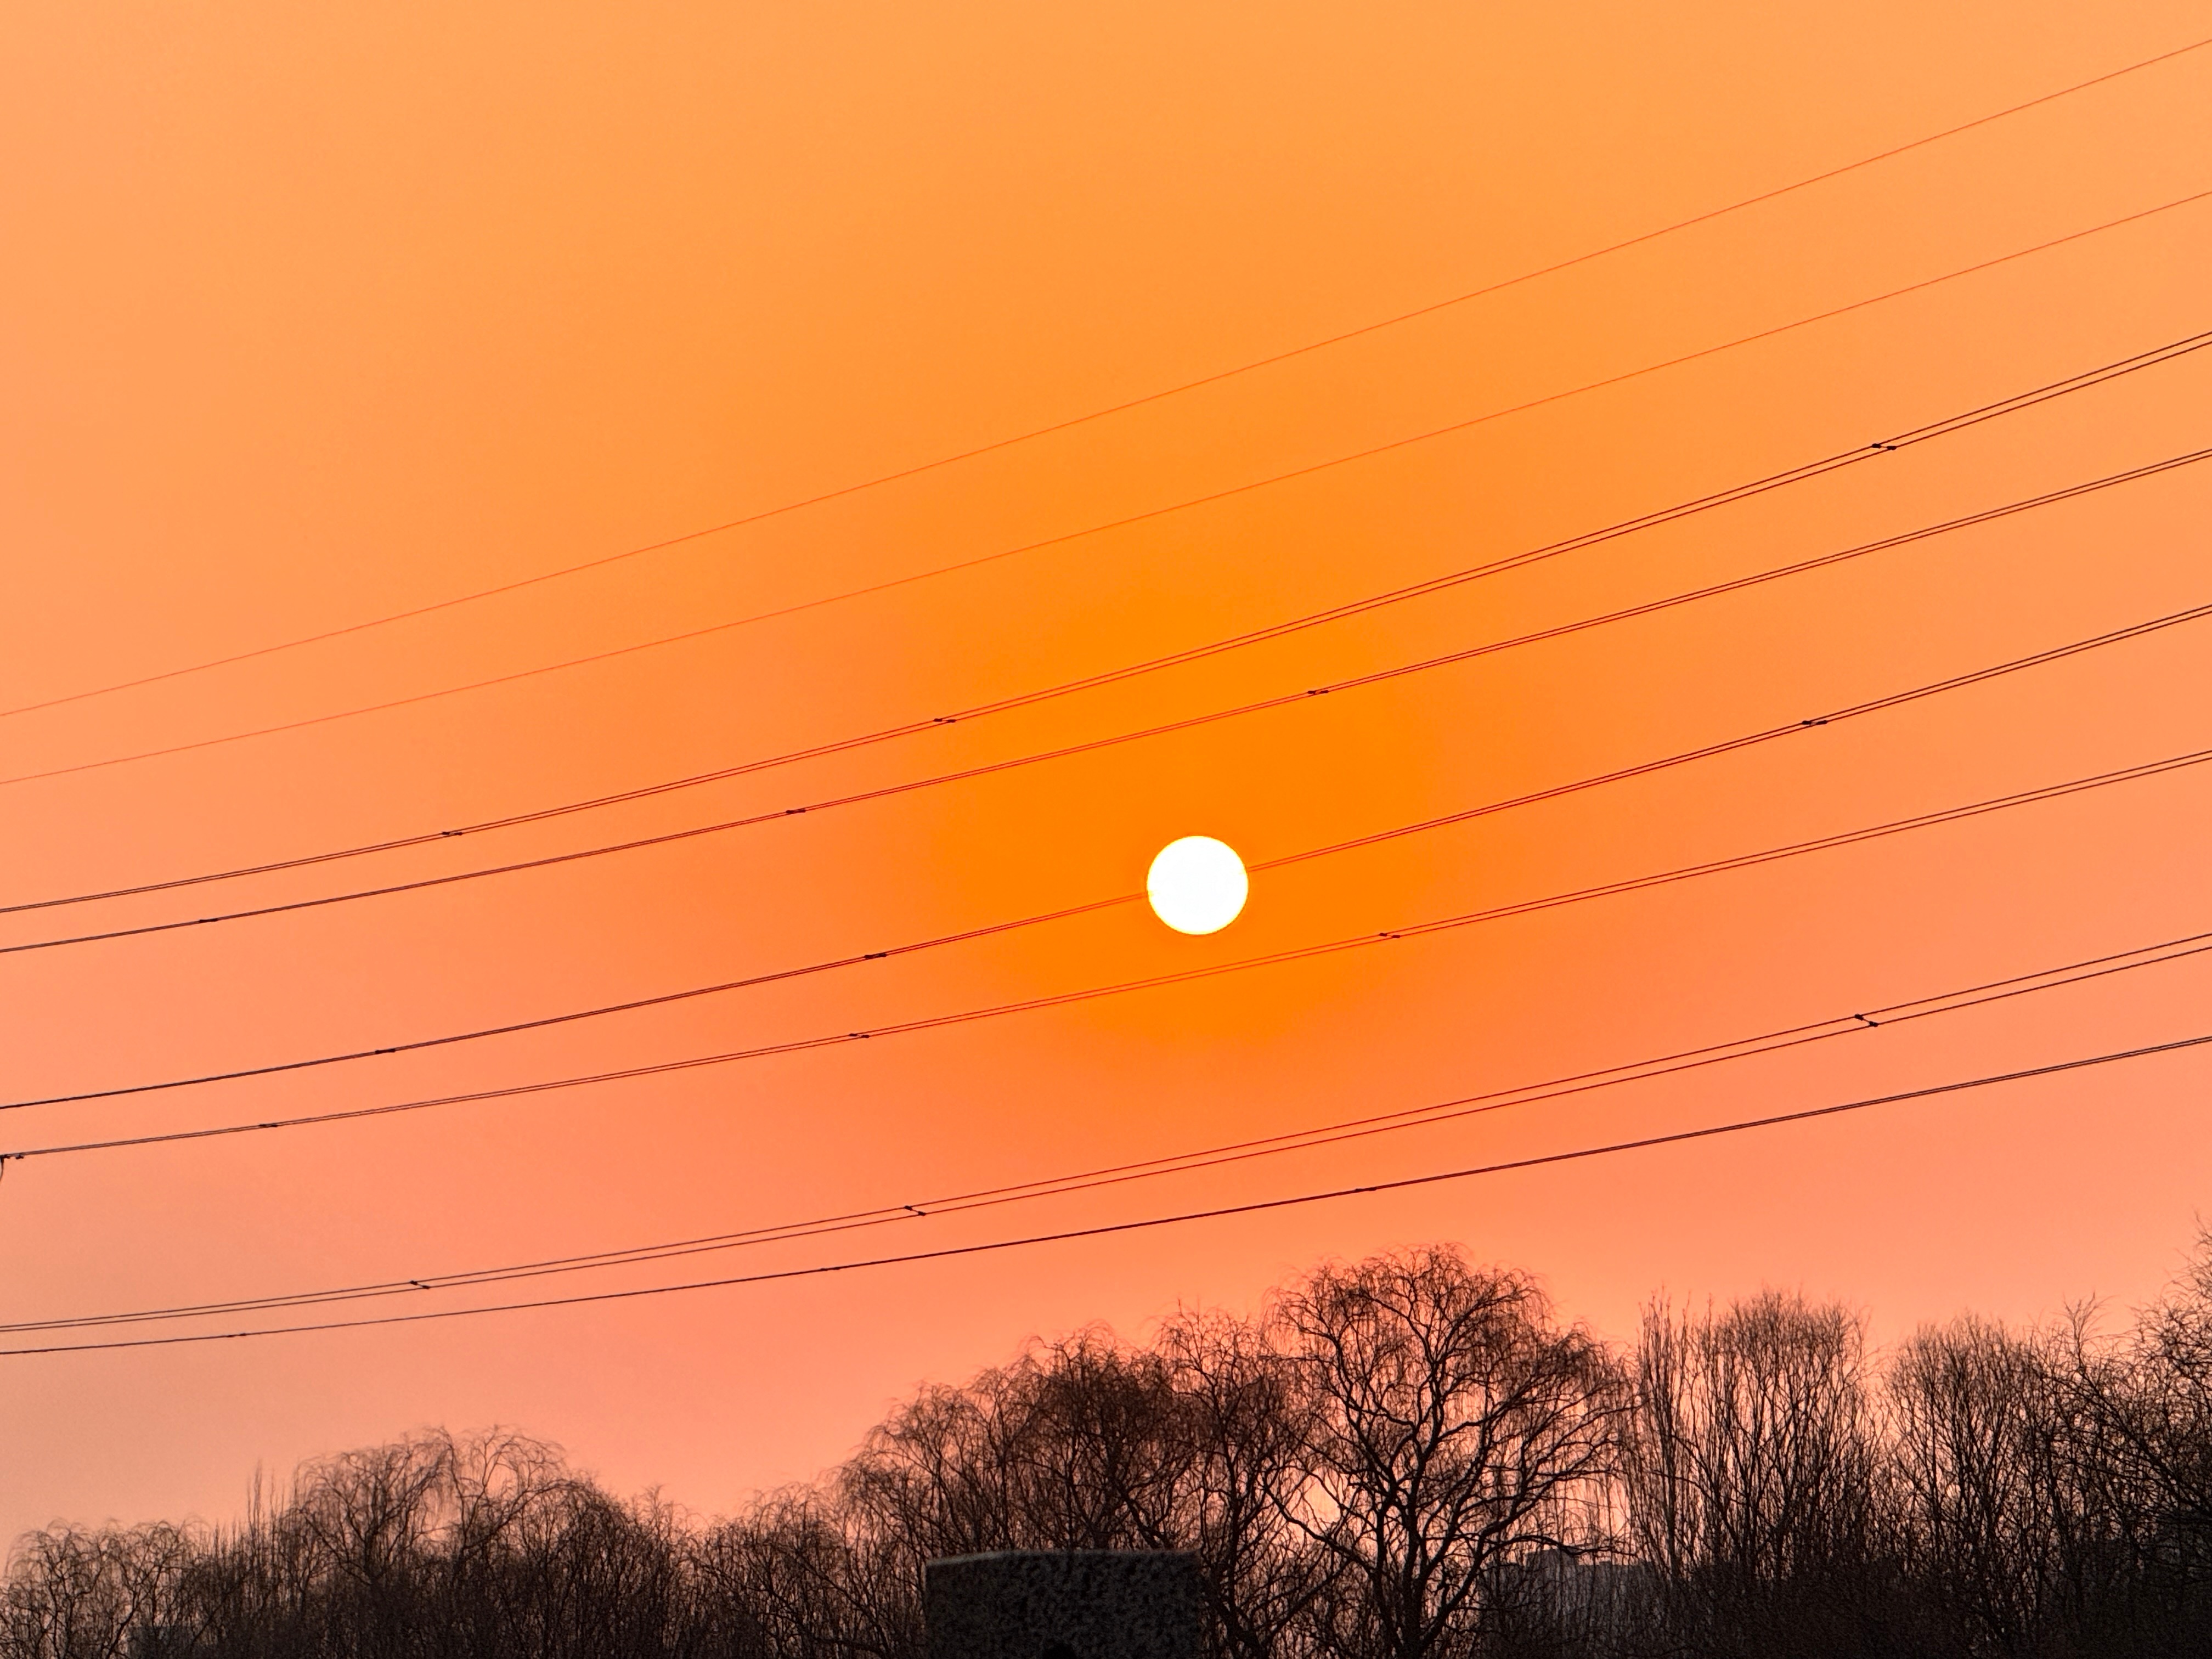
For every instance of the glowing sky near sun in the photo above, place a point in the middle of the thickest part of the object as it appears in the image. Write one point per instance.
(320, 313)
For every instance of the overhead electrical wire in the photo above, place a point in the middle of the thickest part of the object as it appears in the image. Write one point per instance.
(1091, 993)
(1281, 699)
(1096, 529)
(1858, 1022)
(1643, 769)
(1541, 1160)
(1873, 1018)
(1964, 420)
(1122, 407)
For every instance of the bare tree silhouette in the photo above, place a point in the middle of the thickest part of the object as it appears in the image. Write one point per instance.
(1409, 1457)
(1454, 1427)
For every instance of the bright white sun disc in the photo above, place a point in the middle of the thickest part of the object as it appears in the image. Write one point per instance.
(1197, 885)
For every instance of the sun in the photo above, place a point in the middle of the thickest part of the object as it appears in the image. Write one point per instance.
(1197, 885)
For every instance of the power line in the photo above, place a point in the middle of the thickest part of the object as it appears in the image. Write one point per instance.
(1102, 413)
(1643, 769)
(1948, 427)
(1154, 981)
(1425, 1117)
(1190, 722)
(1544, 1160)
(1073, 535)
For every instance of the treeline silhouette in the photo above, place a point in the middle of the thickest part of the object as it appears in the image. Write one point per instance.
(1410, 1457)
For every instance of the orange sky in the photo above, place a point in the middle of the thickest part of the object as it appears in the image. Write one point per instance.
(312, 315)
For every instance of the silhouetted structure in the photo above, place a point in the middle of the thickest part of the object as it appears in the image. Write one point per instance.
(1064, 1604)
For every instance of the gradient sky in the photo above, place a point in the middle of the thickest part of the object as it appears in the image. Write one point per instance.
(312, 314)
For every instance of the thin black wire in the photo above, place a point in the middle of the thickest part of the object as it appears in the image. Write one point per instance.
(1190, 722)
(1182, 977)
(1643, 769)
(1642, 1143)
(1425, 1117)
(1147, 516)
(1124, 407)
(1945, 427)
